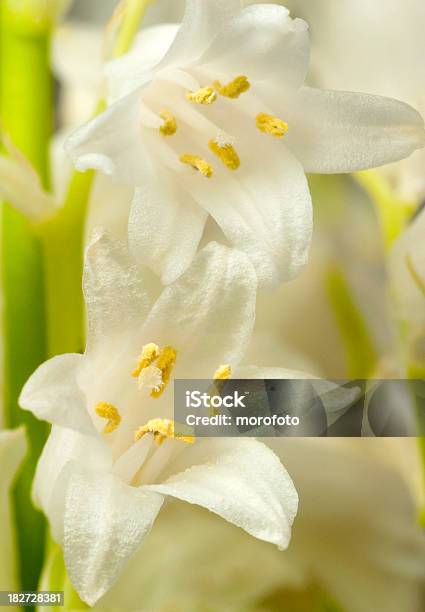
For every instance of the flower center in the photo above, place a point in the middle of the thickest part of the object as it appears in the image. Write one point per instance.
(154, 368)
(221, 146)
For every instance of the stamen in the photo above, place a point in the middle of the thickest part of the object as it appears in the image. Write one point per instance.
(271, 125)
(148, 355)
(108, 411)
(205, 95)
(161, 430)
(198, 164)
(165, 364)
(223, 372)
(234, 89)
(227, 154)
(169, 126)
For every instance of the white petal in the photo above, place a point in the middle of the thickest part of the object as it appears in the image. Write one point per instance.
(334, 131)
(201, 22)
(62, 447)
(264, 208)
(263, 43)
(105, 521)
(114, 289)
(240, 480)
(135, 68)
(208, 313)
(53, 394)
(165, 226)
(112, 142)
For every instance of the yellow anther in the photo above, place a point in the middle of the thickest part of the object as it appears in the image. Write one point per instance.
(205, 95)
(165, 364)
(108, 411)
(148, 355)
(234, 89)
(161, 429)
(223, 372)
(169, 126)
(271, 125)
(226, 153)
(198, 164)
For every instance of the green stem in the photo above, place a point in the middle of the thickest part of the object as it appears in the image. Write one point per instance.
(26, 116)
(133, 13)
(359, 346)
(63, 236)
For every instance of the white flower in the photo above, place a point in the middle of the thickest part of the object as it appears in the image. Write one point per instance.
(12, 451)
(356, 539)
(227, 98)
(374, 63)
(112, 455)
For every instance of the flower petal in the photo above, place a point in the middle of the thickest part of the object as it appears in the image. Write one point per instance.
(336, 131)
(263, 43)
(114, 289)
(53, 394)
(209, 311)
(264, 208)
(165, 226)
(202, 21)
(112, 142)
(105, 521)
(134, 68)
(241, 481)
(62, 447)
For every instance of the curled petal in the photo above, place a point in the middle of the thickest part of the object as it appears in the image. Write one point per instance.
(242, 481)
(53, 394)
